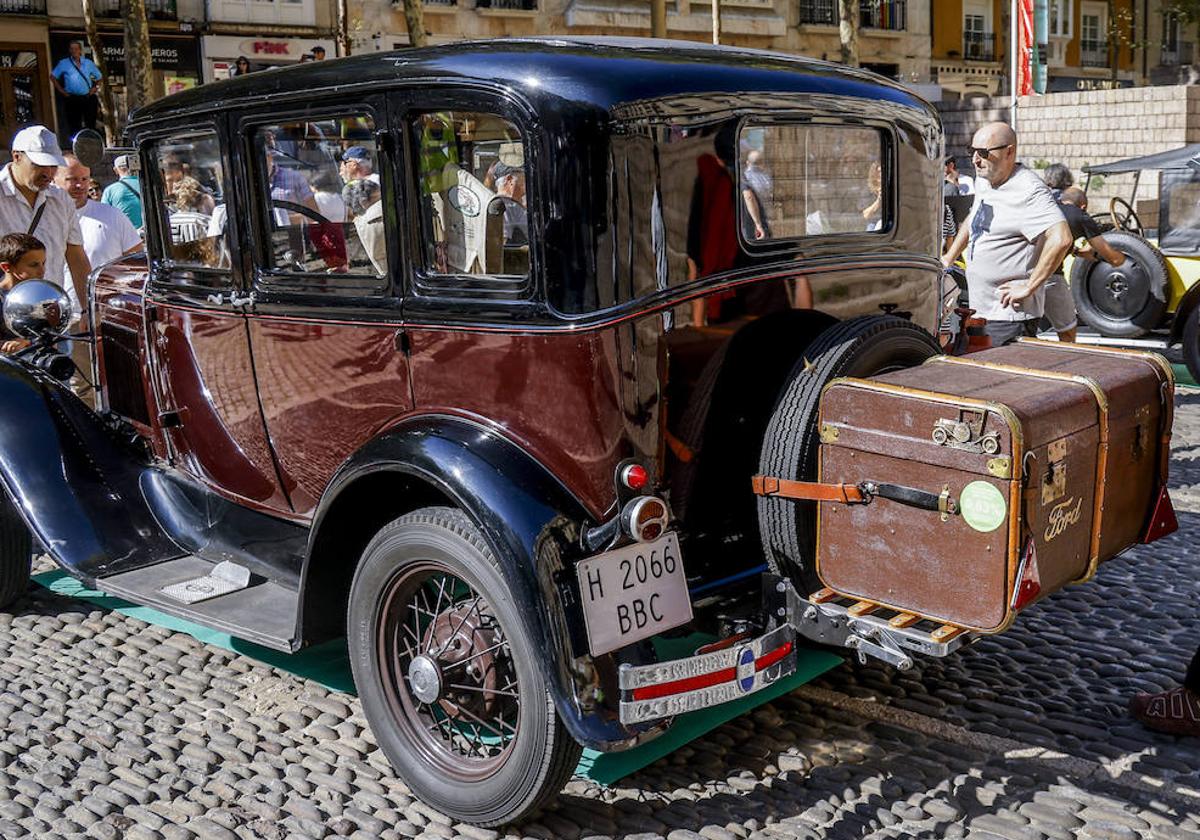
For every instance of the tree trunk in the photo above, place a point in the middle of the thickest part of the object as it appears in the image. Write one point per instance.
(1114, 39)
(414, 17)
(137, 55)
(848, 30)
(108, 106)
(658, 18)
(343, 27)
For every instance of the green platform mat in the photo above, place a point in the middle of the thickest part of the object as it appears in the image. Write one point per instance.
(329, 665)
(1183, 377)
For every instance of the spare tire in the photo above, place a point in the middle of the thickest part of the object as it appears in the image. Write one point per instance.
(1125, 301)
(864, 346)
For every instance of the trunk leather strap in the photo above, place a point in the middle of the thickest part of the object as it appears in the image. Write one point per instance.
(814, 491)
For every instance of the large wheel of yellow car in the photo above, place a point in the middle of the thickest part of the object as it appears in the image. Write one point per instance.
(1122, 301)
(1191, 343)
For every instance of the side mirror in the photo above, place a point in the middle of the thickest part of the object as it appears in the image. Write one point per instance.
(37, 309)
(88, 146)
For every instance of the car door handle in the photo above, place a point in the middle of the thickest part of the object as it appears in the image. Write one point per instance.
(248, 300)
(216, 300)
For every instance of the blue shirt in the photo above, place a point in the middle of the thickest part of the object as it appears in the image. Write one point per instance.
(124, 195)
(77, 80)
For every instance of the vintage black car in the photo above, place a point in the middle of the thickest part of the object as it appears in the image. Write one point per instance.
(469, 353)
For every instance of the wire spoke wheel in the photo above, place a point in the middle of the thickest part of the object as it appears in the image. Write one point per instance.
(449, 664)
(449, 671)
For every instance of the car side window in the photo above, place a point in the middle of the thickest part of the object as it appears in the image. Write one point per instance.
(190, 184)
(472, 180)
(321, 195)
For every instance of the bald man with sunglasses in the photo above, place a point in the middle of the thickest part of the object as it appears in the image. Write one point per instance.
(1015, 237)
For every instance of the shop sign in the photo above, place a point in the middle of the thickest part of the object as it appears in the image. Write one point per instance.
(174, 55)
(1063, 84)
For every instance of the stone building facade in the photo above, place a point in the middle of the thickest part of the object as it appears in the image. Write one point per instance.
(894, 37)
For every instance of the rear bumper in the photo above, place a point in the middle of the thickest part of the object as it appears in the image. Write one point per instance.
(663, 689)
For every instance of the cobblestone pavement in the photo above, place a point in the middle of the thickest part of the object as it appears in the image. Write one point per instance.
(114, 728)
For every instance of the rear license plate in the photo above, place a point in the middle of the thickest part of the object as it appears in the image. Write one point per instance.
(631, 593)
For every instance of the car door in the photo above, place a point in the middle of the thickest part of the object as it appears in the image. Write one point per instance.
(325, 327)
(208, 414)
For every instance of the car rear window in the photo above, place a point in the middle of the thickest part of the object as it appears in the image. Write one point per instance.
(804, 180)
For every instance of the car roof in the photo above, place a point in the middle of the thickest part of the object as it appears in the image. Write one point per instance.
(1173, 159)
(604, 73)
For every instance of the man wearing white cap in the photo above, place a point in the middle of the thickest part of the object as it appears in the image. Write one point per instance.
(125, 193)
(30, 203)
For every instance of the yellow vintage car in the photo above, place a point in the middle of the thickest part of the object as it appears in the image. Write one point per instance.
(1157, 288)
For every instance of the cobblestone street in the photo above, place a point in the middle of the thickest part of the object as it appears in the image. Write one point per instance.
(114, 728)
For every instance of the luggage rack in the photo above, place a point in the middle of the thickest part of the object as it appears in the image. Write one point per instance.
(873, 629)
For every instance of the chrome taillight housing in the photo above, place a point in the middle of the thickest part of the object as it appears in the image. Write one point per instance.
(644, 518)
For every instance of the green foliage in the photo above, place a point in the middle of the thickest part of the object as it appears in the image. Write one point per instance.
(1040, 163)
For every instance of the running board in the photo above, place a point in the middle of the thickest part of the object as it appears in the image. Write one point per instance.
(264, 612)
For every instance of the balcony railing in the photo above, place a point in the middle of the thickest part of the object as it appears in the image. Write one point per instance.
(1181, 52)
(155, 9)
(979, 46)
(508, 5)
(873, 14)
(1093, 53)
(22, 7)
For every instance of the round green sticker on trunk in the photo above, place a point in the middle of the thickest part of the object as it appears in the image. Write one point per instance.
(982, 506)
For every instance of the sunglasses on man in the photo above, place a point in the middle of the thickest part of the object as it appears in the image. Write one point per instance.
(985, 152)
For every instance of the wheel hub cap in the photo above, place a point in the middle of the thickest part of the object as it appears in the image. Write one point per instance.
(1117, 285)
(425, 678)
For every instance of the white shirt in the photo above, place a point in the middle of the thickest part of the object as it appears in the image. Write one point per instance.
(58, 227)
(1007, 226)
(107, 232)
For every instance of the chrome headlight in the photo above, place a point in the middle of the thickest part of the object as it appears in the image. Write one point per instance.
(37, 309)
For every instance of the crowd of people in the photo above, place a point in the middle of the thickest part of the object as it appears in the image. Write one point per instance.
(54, 227)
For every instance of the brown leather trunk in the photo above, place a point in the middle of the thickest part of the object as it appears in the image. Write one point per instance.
(1048, 459)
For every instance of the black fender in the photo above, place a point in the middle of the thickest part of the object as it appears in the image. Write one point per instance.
(531, 522)
(1189, 301)
(74, 481)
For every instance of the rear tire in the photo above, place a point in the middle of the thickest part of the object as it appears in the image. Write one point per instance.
(16, 552)
(1122, 302)
(1191, 343)
(861, 347)
(471, 728)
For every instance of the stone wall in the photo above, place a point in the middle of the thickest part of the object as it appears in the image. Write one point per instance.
(1092, 127)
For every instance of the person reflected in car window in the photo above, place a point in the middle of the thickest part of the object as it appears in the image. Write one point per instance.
(757, 190)
(357, 162)
(363, 204)
(510, 189)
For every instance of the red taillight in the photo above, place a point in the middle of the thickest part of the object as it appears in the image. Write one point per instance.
(644, 518)
(634, 476)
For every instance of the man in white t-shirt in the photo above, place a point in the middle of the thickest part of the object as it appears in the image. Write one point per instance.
(1017, 236)
(107, 232)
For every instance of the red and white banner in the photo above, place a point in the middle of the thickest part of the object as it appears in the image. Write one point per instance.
(1024, 56)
